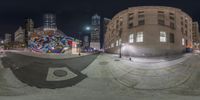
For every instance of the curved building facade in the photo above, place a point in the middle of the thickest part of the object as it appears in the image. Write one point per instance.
(149, 31)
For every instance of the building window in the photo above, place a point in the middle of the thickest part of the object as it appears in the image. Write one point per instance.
(130, 16)
(182, 30)
(121, 23)
(120, 41)
(130, 25)
(112, 45)
(183, 41)
(186, 26)
(140, 16)
(141, 22)
(161, 12)
(172, 25)
(172, 14)
(171, 37)
(161, 22)
(171, 18)
(120, 32)
(140, 12)
(161, 16)
(186, 33)
(131, 38)
(117, 43)
(140, 37)
(181, 18)
(163, 37)
(181, 22)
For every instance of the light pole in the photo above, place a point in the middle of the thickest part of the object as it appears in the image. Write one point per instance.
(79, 44)
(87, 28)
(120, 51)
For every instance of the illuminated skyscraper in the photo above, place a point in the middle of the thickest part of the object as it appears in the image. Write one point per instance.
(49, 22)
(8, 38)
(95, 32)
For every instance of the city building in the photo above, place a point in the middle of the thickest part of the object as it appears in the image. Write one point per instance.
(86, 43)
(149, 31)
(29, 29)
(49, 39)
(8, 38)
(105, 23)
(95, 32)
(196, 35)
(49, 22)
(20, 35)
(19, 38)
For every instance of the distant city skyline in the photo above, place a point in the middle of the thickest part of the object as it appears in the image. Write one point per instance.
(73, 16)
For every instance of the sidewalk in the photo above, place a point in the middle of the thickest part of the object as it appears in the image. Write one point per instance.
(156, 75)
(152, 62)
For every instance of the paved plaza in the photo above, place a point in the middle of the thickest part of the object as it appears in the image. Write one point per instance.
(108, 77)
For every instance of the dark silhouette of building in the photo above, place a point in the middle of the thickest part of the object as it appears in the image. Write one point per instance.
(29, 28)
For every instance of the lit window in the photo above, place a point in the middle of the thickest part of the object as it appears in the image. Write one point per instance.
(112, 45)
(140, 37)
(117, 43)
(183, 41)
(131, 38)
(120, 41)
(163, 37)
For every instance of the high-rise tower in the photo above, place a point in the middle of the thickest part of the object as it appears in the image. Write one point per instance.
(95, 32)
(49, 22)
(29, 29)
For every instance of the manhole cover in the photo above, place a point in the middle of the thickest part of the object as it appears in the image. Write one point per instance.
(60, 73)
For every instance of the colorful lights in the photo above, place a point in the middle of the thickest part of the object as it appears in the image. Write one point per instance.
(50, 42)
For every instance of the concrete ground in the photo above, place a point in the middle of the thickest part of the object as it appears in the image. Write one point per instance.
(119, 79)
(47, 73)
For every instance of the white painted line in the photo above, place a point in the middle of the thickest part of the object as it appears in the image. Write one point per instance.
(52, 77)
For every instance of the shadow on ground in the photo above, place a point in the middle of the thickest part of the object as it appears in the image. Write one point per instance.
(33, 71)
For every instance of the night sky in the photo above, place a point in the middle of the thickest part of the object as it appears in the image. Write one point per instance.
(74, 15)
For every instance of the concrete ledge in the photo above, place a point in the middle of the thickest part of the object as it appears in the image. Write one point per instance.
(49, 56)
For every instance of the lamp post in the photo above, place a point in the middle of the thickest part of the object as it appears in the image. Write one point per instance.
(79, 44)
(120, 51)
(87, 28)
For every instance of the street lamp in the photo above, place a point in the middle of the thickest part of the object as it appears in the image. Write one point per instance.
(87, 28)
(120, 36)
(79, 51)
(2, 42)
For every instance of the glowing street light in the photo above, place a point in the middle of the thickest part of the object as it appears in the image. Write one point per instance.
(87, 28)
(2, 42)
